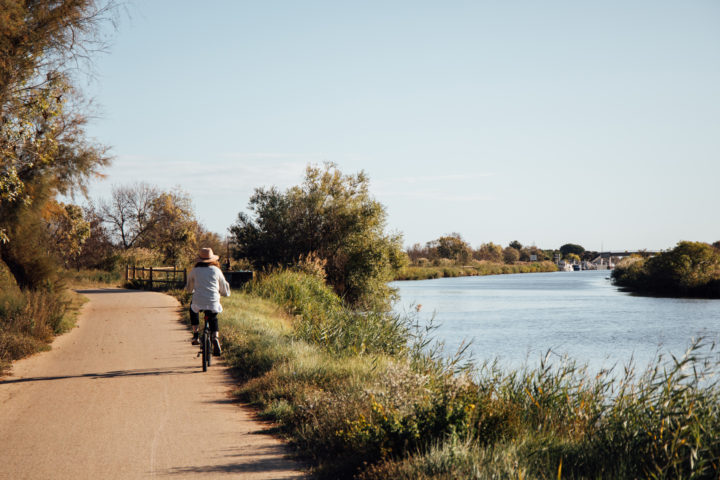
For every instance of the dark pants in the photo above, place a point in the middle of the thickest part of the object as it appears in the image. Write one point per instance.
(209, 315)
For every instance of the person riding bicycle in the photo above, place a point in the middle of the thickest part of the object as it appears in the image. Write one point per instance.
(206, 283)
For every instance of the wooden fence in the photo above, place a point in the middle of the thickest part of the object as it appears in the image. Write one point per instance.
(154, 277)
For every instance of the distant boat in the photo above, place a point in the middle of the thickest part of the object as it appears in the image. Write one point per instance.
(565, 267)
(576, 267)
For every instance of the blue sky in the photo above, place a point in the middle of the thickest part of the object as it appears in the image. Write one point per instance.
(595, 123)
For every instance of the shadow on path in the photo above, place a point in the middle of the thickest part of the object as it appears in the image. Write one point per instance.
(262, 465)
(109, 290)
(112, 374)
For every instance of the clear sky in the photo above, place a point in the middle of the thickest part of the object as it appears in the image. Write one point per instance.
(549, 122)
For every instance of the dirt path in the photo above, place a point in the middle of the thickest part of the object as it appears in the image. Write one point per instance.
(123, 397)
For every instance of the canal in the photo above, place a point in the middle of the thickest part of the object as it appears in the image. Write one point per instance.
(517, 319)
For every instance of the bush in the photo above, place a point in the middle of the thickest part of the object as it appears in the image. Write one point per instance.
(331, 217)
(322, 318)
(690, 269)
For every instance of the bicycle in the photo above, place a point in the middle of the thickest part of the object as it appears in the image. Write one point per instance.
(206, 348)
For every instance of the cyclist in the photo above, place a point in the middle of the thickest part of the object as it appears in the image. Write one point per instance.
(206, 283)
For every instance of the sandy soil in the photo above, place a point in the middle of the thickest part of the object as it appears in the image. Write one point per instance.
(123, 396)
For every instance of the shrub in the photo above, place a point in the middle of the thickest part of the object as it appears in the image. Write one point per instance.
(689, 269)
(29, 319)
(322, 318)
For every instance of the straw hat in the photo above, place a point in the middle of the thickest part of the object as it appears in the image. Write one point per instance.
(206, 255)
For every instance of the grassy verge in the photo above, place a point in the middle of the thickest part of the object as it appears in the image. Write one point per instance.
(414, 272)
(381, 403)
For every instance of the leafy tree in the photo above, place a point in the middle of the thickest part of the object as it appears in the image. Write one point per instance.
(142, 216)
(572, 257)
(569, 248)
(331, 216)
(688, 266)
(490, 252)
(516, 245)
(68, 231)
(98, 250)
(689, 269)
(43, 147)
(174, 227)
(451, 246)
(527, 252)
(511, 255)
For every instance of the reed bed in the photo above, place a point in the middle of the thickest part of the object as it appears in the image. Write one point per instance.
(415, 272)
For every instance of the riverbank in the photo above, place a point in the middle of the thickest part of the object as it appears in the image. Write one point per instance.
(365, 396)
(424, 272)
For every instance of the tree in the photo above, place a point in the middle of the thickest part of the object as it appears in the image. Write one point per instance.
(129, 213)
(417, 251)
(331, 216)
(68, 231)
(173, 227)
(98, 250)
(689, 269)
(572, 257)
(451, 246)
(516, 245)
(569, 248)
(511, 255)
(142, 216)
(43, 147)
(490, 252)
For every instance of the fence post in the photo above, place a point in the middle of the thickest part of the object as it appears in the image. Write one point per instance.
(184, 276)
(127, 270)
(151, 279)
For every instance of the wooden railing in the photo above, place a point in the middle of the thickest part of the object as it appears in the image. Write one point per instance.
(156, 276)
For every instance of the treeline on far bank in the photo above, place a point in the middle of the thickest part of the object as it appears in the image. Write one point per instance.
(451, 256)
(691, 269)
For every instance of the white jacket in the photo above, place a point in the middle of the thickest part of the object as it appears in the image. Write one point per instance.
(207, 284)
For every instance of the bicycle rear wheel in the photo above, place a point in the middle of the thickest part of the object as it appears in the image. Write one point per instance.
(209, 349)
(205, 352)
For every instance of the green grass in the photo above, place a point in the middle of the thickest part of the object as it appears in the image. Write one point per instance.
(405, 411)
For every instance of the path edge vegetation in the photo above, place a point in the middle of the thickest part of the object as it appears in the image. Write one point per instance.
(369, 395)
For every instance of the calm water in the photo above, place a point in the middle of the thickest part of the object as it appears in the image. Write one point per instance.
(517, 318)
